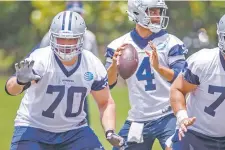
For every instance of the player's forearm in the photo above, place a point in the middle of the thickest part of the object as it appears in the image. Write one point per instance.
(167, 73)
(112, 74)
(108, 116)
(178, 104)
(177, 100)
(13, 87)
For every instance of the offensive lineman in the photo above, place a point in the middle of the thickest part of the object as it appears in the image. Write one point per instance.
(57, 79)
(201, 117)
(89, 44)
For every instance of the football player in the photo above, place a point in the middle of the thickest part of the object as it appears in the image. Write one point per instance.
(90, 42)
(161, 58)
(57, 79)
(201, 117)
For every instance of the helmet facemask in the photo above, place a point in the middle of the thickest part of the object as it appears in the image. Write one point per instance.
(221, 38)
(66, 52)
(155, 22)
(143, 13)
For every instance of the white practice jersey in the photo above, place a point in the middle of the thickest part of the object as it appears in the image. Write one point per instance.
(56, 102)
(148, 90)
(206, 68)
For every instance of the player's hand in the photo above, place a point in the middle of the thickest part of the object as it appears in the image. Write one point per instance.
(24, 72)
(114, 139)
(153, 56)
(183, 126)
(118, 53)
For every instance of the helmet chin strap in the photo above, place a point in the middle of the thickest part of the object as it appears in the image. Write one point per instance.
(222, 50)
(155, 30)
(152, 29)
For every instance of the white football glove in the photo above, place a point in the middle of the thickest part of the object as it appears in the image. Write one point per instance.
(114, 139)
(24, 72)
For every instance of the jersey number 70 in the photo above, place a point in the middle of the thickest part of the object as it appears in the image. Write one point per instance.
(211, 108)
(70, 96)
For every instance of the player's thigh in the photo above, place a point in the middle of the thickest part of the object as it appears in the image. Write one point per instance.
(86, 110)
(193, 142)
(30, 145)
(184, 144)
(82, 139)
(164, 128)
(169, 143)
(22, 140)
(145, 145)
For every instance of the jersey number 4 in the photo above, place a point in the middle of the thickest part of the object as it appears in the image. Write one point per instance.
(70, 96)
(144, 73)
(211, 108)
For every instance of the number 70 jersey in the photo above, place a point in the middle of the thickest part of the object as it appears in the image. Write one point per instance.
(206, 69)
(56, 102)
(148, 90)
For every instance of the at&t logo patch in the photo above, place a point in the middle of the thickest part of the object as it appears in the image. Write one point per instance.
(88, 76)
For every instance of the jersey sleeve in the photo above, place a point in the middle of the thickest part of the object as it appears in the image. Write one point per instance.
(101, 78)
(176, 56)
(111, 48)
(193, 70)
(177, 50)
(45, 40)
(109, 56)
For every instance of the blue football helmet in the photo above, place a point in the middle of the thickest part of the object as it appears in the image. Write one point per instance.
(221, 34)
(139, 12)
(67, 25)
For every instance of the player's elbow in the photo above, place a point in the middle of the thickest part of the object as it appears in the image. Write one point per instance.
(176, 91)
(9, 87)
(173, 91)
(108, 104)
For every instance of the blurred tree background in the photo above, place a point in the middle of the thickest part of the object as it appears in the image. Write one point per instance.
(23, 24)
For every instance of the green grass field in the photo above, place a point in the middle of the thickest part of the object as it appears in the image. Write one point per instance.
(10, 104)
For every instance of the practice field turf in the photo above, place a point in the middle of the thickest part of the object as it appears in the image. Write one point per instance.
(10, 104)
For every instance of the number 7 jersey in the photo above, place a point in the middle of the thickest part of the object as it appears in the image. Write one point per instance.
(56, 102)
(148, 90)
(206, 69)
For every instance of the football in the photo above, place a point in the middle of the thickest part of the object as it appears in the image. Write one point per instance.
(128, 61)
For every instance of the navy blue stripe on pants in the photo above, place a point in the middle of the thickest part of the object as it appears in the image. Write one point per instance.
(86, 110)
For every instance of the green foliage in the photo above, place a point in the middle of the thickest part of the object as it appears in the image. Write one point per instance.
(23, 24)
(43, 13)
(6, 61)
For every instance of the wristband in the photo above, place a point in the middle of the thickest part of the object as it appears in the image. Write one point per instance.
(108, 131)
(21, 83)
(181, 115)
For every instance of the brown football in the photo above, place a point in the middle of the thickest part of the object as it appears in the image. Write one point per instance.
(128, 61)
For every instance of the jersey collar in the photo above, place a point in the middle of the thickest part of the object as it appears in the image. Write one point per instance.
(64, 70)
(143, 42)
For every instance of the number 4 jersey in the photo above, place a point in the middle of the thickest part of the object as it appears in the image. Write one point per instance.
(206, 69)
(55, 103)
(148, 90)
